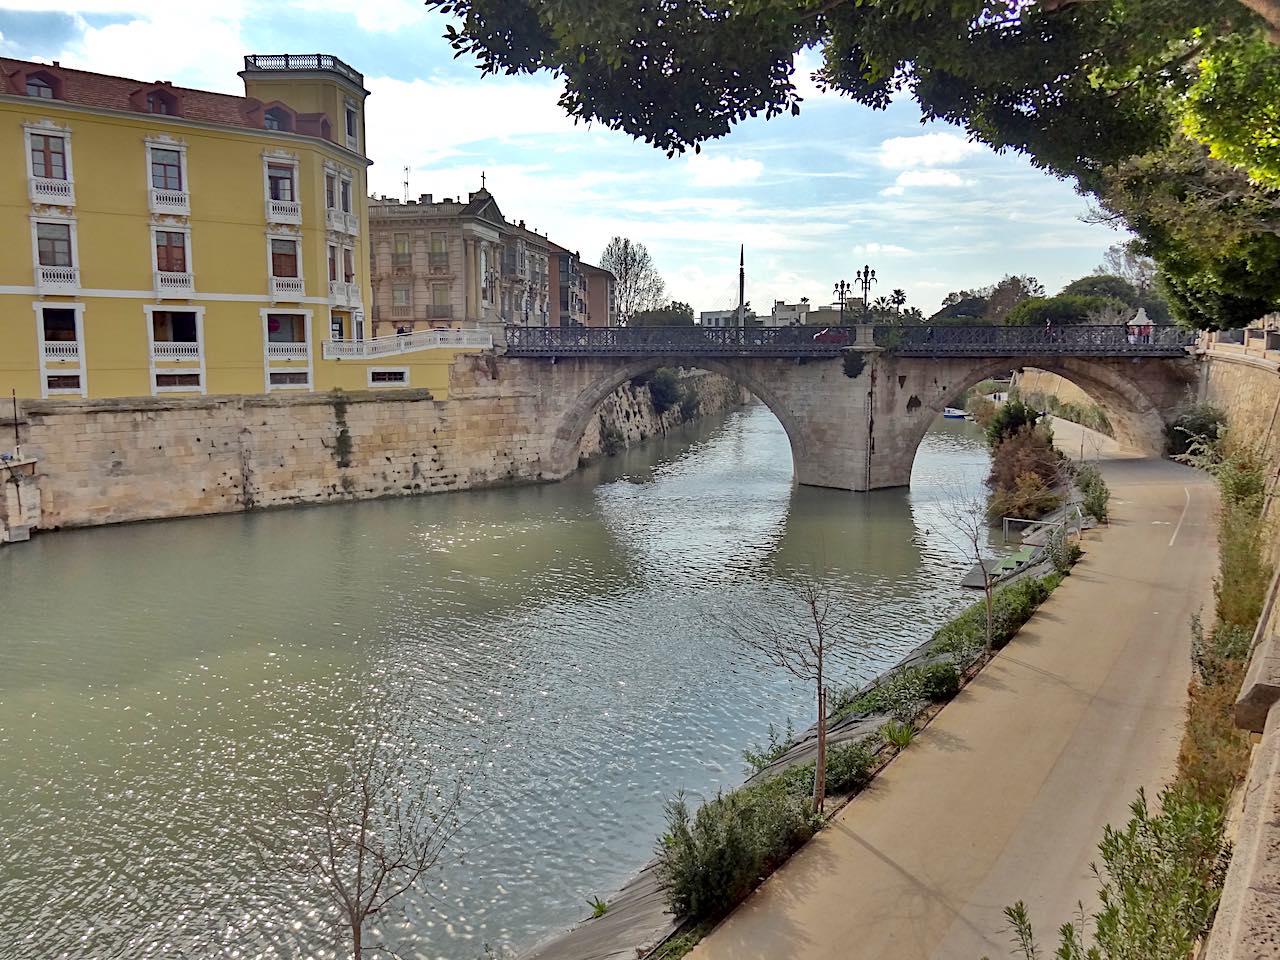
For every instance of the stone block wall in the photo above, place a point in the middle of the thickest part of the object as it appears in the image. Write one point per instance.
(1031, 380)
(1248, 390)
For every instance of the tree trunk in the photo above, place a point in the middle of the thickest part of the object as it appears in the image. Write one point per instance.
(357, 934)
(986, 583)
(820, 764)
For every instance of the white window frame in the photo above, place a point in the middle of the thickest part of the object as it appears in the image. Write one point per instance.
(54, 216)
(49, 128)
(297, 240)
(81, 370)
(351, 109)
(162, 142)
(270, 160)
(370, 371)
(156, 390)
(268, 368)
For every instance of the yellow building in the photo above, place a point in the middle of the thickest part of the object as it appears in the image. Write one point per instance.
(163, 240)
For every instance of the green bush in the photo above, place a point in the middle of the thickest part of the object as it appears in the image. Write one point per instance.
(1194, 421)
(664, 388)
(1029, 498)
(898, 734)
(1008, 420)
(690, 400)
(1095, 494)
(709, 860)
(760, 756)
(1210, 655)
(1161, 879)
(849, 766)
(1012, 606)
(899, 694)
(941, 682)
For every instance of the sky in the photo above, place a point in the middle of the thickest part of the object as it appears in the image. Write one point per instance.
(813, 197)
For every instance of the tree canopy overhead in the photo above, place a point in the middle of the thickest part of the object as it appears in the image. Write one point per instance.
(1146, 104)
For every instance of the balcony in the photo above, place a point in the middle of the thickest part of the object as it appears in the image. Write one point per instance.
(180, 285)
(284, 211)
(353, 143)
(174, 350)
(440, 311)
(174, 203)
(334, 219)
(58, 280)
(302, 61)
(402, 311)
(343, 294)
(287, 351)
(353, 224)
(58, 193)
(287, 288)
(406, 343)
(67, 351)
(439, 262)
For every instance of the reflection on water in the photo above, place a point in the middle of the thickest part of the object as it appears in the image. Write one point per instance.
(161, 684)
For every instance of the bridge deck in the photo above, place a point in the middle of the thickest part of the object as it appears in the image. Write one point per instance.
(1113, 340)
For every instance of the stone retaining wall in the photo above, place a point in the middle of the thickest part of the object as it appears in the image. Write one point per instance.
(111, 461)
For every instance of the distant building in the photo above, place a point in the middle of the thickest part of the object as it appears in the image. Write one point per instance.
(455, 263)
(728, 318)
(786, 313)
(602, 297)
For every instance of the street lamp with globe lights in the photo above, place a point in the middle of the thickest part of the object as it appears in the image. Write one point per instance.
(865, 278)
(842, 291)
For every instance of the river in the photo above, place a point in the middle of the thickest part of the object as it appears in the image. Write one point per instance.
(164, 687)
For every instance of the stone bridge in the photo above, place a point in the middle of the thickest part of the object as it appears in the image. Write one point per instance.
(855, 402)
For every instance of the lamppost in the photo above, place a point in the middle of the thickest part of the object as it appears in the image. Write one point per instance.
(865, 278)
(842, 291)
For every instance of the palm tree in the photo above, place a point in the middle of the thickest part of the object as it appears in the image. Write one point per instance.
(881, 307)
(899, 299)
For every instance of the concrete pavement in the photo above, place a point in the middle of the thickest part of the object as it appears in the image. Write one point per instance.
(1005, 795)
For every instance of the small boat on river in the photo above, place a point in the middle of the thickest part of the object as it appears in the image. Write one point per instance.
(953, 413)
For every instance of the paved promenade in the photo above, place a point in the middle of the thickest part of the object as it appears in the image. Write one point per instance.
(1005, 795)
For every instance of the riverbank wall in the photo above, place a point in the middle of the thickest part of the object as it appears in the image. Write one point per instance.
(114, 461)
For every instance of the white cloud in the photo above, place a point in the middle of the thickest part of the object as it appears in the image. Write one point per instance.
(885, 249)
(708, 171)
(926, 150)
(376, 16)
(924, 178)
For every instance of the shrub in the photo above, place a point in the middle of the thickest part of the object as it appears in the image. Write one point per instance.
(1055, 548)
(941, 682)
(759, 757)
(981, 409)
(1161, 878)
(1193, 421)
(1243, 572)
(710, 860)
(1214, 752)
(1029, 498)
(899, 694)
(1095, 494)
(1029, 450)
(1010, 419)
(855, 361)
(690, 400)
(1211, 655)
(664, 389)
(849, 766)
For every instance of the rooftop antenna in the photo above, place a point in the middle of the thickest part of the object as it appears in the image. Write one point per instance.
(742, 285)
(406, 183)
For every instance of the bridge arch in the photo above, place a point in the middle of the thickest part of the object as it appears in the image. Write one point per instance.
(1137, 397)
(572, 423)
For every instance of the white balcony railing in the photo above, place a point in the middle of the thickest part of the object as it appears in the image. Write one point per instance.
(174, 284)
(57, 279)
(60, 193)
(176, 203)
(287, 351)
(62, 350)
(406, 343)
(334, 220)
(284, 211)
(343, 294)
(353, 143)
(353, 224)
(287, 288)
(175, 350)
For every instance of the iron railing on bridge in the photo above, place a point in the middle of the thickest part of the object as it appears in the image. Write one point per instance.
(678, 341)
(804, 341)
(1092, 340)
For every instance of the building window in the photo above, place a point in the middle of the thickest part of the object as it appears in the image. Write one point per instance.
(171, 251)
(53, 244)
(439, 250)
(286, 328)
(174, 326)
(161, 102)
(59, 325)
(284, 258)
(401, 295)
(166, 169)
(396, 375)
(330, 191)
(179, 381)
(353, 128)
(38, 86)
(348, 265)
(333, 262)
(345, 195)
(401, 255)
(280, 182)
(278, 119)
(63, 383)
(49, 156)
(289, 378)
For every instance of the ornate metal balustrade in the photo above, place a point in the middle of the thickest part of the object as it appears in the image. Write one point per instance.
(1110, 340)
(792, 341)
(678, 341)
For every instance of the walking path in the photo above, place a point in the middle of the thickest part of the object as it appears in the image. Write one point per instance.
(1005, 795)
